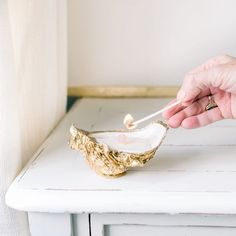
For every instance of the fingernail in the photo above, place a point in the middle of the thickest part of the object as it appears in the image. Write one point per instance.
(181, 95)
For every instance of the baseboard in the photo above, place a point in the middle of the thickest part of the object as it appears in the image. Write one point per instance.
(123, 91)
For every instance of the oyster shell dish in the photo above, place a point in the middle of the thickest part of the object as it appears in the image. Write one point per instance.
(112, 153)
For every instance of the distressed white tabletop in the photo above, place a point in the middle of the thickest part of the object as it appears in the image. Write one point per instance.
(194, 171)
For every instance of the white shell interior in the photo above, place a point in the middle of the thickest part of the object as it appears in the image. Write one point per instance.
(137, 141)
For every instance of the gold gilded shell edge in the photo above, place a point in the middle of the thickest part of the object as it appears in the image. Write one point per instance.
(104, 160)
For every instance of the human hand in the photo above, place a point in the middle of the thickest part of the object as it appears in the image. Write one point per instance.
(216, 77)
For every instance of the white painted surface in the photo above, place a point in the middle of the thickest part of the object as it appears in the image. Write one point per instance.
(45, 224)
(140, 230)
(162, 224)
(136, 42)
(81, 225)
(194, 170)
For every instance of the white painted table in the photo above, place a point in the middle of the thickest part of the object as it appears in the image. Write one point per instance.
(189, 188)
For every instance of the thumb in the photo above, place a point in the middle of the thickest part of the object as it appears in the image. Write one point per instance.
(195, 84)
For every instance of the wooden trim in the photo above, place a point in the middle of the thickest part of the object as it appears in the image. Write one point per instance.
(123, 91)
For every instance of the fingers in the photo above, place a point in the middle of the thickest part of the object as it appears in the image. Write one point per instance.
(172, 111)
(217, 74)
(175, 119)
(202, 119)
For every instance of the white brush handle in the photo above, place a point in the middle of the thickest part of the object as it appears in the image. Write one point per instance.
(156, 113)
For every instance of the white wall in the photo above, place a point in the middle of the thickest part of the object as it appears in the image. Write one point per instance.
(146, 42)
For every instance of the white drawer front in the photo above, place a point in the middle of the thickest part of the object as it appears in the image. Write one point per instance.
(162, 225)
(141, 230)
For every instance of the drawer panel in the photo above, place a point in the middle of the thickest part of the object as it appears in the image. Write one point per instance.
(141, 230)
(162, 225)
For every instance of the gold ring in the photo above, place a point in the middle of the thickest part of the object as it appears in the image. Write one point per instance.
(211, 104)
